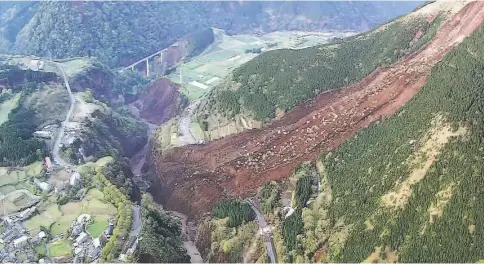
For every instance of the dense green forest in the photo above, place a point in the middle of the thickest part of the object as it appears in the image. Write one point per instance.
(161, 236)
(269, 197)
(352, 222)
(113, 195)
(109, 133)
(17, 144)
(281, 79)
(198, 41)
(119, 173)
(119, 33)
(237, 212)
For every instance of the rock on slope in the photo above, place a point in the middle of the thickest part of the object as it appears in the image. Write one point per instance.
(192, 178)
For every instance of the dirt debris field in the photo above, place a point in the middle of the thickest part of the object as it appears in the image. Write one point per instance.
(195, 176)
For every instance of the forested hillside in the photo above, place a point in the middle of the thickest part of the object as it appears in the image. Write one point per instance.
(409, 188)
(119, 33)
(279, 80)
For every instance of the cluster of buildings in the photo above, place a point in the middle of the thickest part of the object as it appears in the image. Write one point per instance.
(86, 248)
(15, 243)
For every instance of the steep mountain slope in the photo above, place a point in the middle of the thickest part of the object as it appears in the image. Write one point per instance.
(13, 17)
(193, 177)
(410, 188)
(276, 81)
(119, 33)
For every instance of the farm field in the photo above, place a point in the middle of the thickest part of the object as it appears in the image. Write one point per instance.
(16, 179)
(59, 218)
(208, 69)
(59, 248)
(7, 106)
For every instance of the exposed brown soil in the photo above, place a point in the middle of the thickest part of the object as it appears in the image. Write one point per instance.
(194, 177)
(162, 102)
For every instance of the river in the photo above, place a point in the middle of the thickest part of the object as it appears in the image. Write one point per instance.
(136, 163)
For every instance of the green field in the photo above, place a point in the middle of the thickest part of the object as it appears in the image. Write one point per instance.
(229, 52)
(41, 249)
(86, 168)
(60, 218)
(59, 248)
(7, 106)
(100, 223)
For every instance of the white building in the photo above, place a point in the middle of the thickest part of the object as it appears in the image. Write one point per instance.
(42, 234)
(74, 177)
(43, 134)
(21, 241)
(81, 238)
(44, 186)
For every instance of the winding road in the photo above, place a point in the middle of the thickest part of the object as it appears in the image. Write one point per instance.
(187, 137)
(56, 149)
(265, 230)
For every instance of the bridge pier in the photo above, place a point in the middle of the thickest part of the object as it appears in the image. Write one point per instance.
(147, 68)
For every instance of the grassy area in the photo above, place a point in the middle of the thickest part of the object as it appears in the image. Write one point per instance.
(17, 202)
(60, 248)
(75, 66)
(86, 168)
(97, 227)
(7, 106)
(34, 169)
(192, 92)
(103, 161)
(229, 53)
(166, 135)
(41, 249)
(93, 204)
(197, 130)
(35, 222)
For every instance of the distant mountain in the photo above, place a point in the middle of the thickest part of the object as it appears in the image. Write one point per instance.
(121, 32)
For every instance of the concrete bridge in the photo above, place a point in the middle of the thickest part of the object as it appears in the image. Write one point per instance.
(146, 60)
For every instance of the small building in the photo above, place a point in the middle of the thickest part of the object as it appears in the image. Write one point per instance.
(83, 218)
(48, 163)
(81, 238)
(76, 230)
(36, 65)
(43, 134)
(74, 178)
(96, 242)
(42, 234)
(109, 230)
(20, 242)
(44, 186)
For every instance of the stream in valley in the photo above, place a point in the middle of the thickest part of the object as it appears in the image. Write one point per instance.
(136, 163)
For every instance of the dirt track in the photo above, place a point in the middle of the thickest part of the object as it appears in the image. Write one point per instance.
(195, 176)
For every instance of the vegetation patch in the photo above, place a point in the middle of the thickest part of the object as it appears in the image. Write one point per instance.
(439, 135)
(7, 106)
(237, 212)
(59, 248)
(100, 223)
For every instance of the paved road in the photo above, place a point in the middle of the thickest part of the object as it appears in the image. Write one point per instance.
(187, 137)
(265, 229)
(136, 221)
(55, 151)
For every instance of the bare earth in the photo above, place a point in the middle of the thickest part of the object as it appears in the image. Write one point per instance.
(195, 176)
